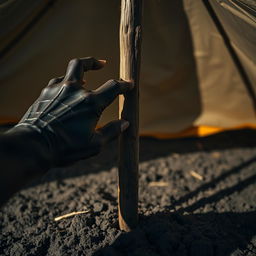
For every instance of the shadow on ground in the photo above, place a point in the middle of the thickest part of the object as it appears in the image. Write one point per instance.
(214, 182)
(205, 234)
(186, 233)
(150, 148)
(213, 216)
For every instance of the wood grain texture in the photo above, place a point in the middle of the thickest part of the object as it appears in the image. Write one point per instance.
(130, 51)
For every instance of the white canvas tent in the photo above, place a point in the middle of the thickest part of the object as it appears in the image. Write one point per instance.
(198, 58)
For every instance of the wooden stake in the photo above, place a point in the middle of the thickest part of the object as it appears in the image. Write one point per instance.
(130, 42)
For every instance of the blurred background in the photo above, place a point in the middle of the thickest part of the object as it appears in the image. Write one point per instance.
(198, 70)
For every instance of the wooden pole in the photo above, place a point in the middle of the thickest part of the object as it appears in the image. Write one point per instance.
(130, 49)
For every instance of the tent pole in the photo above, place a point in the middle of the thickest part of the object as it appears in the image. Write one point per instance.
(130, 42)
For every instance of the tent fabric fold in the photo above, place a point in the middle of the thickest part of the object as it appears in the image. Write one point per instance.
(240, 25)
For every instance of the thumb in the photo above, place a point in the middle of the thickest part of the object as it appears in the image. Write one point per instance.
(112, 130)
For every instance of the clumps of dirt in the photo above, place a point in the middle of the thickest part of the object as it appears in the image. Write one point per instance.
(181, 214)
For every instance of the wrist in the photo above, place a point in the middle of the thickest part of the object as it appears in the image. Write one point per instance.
(29, 144)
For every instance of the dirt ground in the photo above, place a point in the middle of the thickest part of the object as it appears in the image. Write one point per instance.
(197, 197)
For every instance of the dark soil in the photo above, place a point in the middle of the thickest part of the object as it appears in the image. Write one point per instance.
(213, 216)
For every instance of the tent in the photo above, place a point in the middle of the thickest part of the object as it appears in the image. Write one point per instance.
(198, 71)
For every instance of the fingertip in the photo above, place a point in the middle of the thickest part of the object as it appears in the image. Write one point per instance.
(124, 125)
(103, 61)
(99, 64)
(126, 85)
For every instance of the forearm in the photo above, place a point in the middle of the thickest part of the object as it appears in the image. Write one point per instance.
(23, 153)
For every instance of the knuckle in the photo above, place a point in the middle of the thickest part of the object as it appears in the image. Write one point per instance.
(45, 92)
(74, 61)
(90, 98)
(67, 83)
(115, 85)
(52, 81)
(113, 81)
(92, 101)
(90, 58)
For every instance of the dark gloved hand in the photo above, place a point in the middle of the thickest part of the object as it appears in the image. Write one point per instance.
(65, 114)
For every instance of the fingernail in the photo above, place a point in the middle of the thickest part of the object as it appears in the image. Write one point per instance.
(99, 64)
(103, 61)
(124, 125)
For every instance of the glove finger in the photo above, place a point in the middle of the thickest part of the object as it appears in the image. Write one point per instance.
(112, 130)
(55, 81)
(77, 67)
(106, 93)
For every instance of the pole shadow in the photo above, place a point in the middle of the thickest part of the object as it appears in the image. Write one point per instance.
(185, 233)
(205, 234)
(215, 181)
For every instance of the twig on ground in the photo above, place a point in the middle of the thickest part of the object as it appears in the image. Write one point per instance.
(196, 175)
(70, 215)
(216, 155)
(158, 184)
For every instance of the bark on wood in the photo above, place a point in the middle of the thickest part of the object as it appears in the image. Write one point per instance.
(130, 42)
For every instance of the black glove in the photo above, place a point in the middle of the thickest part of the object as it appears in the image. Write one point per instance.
(65, 115)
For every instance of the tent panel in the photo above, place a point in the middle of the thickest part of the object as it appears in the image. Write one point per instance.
(225, 100)
(184, 79)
